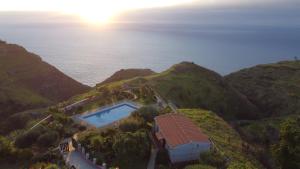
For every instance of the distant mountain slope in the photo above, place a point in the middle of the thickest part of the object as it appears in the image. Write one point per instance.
(28, 82)
(189, 85)
(125, 74)
(274, 88)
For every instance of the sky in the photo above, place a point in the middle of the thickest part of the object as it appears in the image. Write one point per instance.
(281, 13)
(92, 10)
(107, 10)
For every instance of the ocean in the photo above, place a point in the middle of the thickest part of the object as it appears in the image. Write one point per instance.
(91, 54)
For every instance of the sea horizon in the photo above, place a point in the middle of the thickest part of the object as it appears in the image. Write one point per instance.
(90, 55)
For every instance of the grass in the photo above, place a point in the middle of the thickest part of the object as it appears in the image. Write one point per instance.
(227, 141)
(268, 129)
(199, 166)
(190, 86)
(274, 88)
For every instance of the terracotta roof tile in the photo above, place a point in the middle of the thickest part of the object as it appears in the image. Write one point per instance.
(177, 129)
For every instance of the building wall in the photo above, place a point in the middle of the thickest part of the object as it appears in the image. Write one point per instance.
(187, 152)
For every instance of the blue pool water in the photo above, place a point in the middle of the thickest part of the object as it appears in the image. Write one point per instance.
(109, 115)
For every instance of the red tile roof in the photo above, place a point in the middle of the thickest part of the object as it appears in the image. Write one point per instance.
(177, 129)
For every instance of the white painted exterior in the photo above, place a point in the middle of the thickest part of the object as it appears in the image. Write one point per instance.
(187, 152)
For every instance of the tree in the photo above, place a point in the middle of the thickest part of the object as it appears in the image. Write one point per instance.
(287, 151)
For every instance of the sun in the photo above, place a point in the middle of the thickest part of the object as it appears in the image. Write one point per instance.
(95, 12)
(103, 11)
(96, 17)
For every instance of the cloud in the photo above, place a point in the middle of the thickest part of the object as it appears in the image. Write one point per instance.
(267, 13)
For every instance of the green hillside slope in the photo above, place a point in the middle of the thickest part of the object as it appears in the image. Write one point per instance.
(274, 88)
(226, 140)
(190, 86)
(28, 82)
(125, 74)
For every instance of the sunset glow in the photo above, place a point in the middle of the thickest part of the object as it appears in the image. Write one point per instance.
(94, 11)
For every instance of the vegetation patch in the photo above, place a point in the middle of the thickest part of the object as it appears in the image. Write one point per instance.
(225, 139)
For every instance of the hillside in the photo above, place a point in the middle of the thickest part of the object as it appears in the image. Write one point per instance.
(125, 74)
(189, 85)
(28, 82)
(274, 88)
(227, 141)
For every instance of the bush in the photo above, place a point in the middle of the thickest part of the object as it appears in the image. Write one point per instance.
(5, 148)
(44, 166)
(47, 139)
(52, 166)
(131, 147)
(199, 166)
(213, 159)
(81, 128)
(147, 113)
(15, 122)
(163, 167)
(27, 139)
(287, 150)
(162, 157)
(238, 165)
(24, 154)
(132, 124)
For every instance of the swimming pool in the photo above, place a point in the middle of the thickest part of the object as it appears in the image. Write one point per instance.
(110, 114)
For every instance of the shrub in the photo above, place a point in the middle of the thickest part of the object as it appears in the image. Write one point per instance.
(287, 151)
(213, 159)
(81, 128)
(163, 167)
(16, 121)
(5, 148)
(131, 147)
(238, 165)
(47, 139)
(27, 139)
(162, 157)
(147, 113)
(24, 154)
(132, 124)
(199, 166)
(52, 166)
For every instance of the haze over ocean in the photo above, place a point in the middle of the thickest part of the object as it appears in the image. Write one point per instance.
(158, 39)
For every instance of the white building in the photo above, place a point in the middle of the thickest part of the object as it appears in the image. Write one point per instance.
(183, 140)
